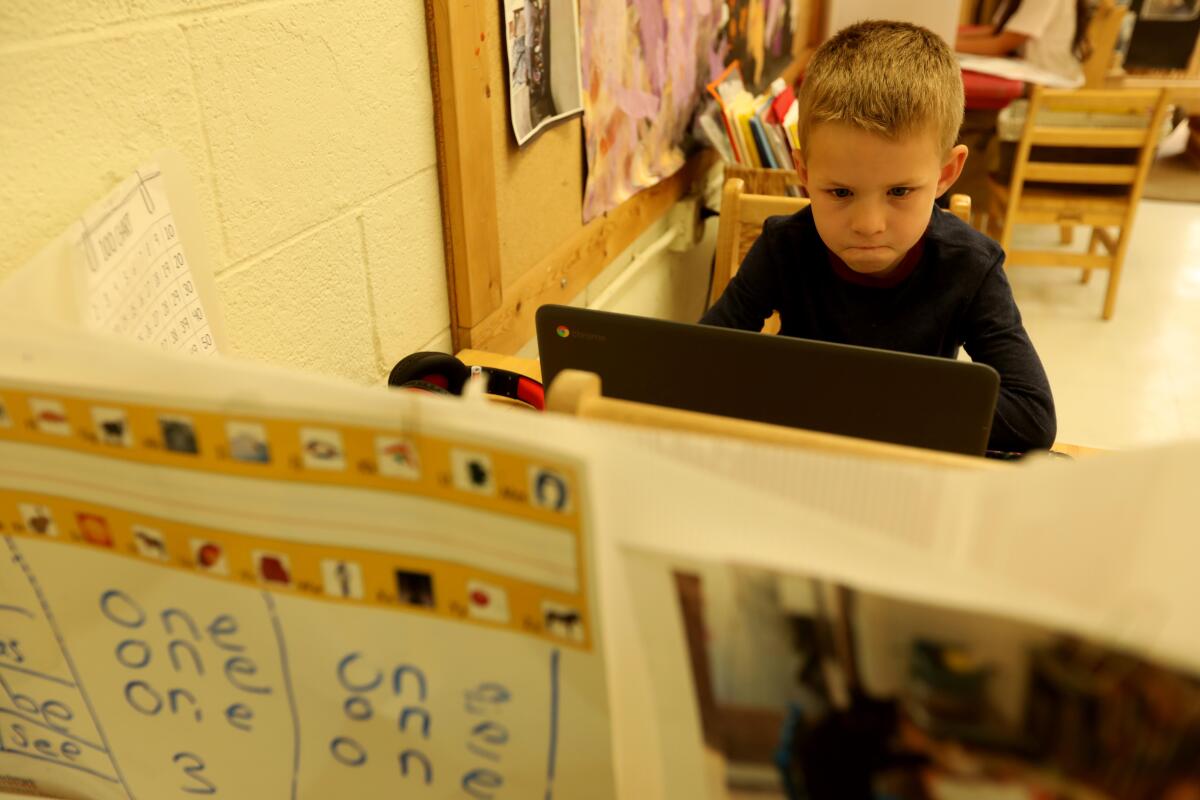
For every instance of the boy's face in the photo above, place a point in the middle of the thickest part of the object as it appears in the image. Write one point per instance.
(872, 196)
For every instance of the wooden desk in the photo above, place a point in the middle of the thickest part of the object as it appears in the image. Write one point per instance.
(529, 367)
(1184, 92)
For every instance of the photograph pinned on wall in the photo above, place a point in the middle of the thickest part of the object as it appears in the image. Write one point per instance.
(541, 40)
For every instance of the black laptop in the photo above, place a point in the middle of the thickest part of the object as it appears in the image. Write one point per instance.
(936, 403)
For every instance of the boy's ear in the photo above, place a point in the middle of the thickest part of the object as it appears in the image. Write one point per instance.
(801, 167)
(952, 168)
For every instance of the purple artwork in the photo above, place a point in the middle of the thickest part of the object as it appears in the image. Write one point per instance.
(644, 65)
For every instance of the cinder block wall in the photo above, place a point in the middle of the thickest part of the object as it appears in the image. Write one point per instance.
(308, 130)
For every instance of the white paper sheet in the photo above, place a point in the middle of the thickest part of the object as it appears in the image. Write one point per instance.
(189, 613)
(135, 275)
(133, 265)
(1015, 69)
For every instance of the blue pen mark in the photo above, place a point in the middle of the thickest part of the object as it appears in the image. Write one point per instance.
(62, 645)
(57, 732)
(479, 751)
(67, 764)
(287, 682)
(17, 609)
(36, 674)
(554, 657)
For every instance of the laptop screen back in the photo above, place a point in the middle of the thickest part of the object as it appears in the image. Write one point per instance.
(922, 401)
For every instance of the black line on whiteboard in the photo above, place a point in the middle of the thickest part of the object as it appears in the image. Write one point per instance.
(37, 674)
(287, 682)
(554, 658)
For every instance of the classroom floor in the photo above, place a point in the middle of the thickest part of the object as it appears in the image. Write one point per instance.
(1136, 378)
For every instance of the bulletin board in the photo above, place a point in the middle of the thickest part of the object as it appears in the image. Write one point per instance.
(512, 218)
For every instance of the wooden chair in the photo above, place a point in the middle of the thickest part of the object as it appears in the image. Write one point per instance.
(1104, 28)
(1097, 193)
(742, 218)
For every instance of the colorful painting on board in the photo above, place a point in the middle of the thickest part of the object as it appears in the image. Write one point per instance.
(760, 35)
(645, 63)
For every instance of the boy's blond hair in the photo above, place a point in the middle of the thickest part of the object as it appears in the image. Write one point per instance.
(889, 78)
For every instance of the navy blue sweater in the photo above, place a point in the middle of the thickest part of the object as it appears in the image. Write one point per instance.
(953, 293)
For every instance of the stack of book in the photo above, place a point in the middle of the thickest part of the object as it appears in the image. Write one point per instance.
(750, 130)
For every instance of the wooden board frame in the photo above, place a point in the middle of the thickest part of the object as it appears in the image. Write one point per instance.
(484, 313)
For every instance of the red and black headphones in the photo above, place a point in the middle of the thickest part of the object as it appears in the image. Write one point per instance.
(444, 374)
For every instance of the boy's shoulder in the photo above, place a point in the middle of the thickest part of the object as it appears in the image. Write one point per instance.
(958, 243)
(797, 226)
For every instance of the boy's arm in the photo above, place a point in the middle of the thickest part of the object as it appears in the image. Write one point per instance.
(1024, 417)
(751, 295)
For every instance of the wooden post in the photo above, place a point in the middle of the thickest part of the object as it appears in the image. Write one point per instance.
(458, 47)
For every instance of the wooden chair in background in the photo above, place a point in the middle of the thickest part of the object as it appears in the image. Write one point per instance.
(742, 218)
(1097, 193)
(1104, 28)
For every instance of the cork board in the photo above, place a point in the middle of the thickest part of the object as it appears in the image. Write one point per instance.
(512, 218)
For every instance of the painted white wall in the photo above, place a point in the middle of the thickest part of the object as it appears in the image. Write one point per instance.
(306, 126)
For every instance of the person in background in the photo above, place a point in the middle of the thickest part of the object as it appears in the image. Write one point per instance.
(1049, 34)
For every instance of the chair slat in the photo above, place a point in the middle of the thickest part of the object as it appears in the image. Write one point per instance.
(1080, 217)
(1055, 172)
(1033, 258)
(756, 208)
(1113, 101)
(1089, 137)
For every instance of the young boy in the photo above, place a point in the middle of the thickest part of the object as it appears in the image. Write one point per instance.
(872, 261)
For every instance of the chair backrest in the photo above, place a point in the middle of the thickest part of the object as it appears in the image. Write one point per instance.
(1104, 28)
(742, 218)
(766, 181)
(1121, 125)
